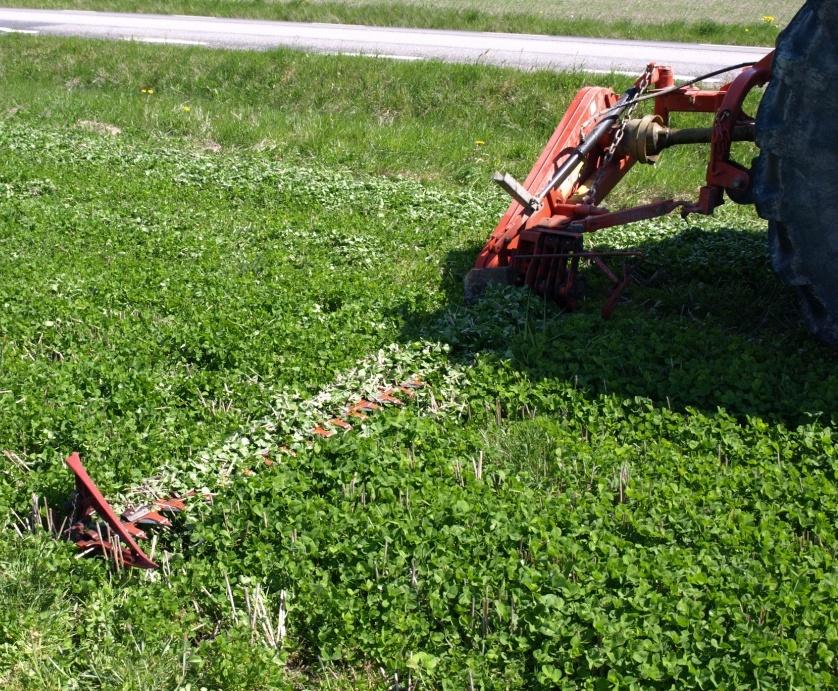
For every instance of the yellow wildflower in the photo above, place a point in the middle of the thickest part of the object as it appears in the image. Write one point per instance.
(186, 109)
(479, 142)
(768, 19)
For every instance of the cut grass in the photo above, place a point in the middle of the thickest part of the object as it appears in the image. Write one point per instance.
(646, 501)
(744, 23)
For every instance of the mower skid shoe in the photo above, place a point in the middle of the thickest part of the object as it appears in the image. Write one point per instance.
(477, 280)
(89, 497)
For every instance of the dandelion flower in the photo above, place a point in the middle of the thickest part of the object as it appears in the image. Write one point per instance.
(768, 19)
(186, 109)
(479, 142)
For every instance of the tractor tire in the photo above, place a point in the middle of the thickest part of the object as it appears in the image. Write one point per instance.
(795, 176)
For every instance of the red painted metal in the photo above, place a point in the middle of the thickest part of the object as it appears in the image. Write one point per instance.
(544, 248)
(506, 239)
(90, 499)
(386, 396)
(689, 100)
(116, 537)
(363, 406)
(173, 505)
(597, 222)
(721, 171)
(360, 409)
(151, 517)
(338, 422)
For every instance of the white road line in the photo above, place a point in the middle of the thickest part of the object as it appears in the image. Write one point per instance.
(9, 30)
(161, 39)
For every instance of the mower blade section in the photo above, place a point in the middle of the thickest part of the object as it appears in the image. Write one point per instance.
(363, 406)
(152, 514)
(170, 505)
(134, 531)
(132, 515)
(338, 422)
(153, 518)
(90, 496)
(386, 397)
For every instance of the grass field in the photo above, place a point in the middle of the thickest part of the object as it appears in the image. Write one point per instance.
(197, 262)
(746, 23)
(452, 124)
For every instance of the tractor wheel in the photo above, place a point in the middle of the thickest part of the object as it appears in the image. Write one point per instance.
(796, 173)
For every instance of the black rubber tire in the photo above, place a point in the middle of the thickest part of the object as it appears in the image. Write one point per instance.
(795, 182)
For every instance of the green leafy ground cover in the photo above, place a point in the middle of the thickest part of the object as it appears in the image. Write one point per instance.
(748, 22)
(648, 501)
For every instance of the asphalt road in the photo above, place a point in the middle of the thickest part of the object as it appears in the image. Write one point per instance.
(514, 50)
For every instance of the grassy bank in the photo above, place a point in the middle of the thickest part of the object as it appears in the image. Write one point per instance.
(455, 124)
(745, 23)
(187, 281)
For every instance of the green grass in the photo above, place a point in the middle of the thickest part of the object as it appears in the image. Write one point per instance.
(423, 121)
(748, 22)
(646, 501)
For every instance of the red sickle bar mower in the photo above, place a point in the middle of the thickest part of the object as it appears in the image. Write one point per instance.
(539, 242)
(96, 528)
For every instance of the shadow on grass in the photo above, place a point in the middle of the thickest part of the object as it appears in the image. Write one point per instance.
(705, 325)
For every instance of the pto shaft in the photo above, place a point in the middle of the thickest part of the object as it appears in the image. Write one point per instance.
(646, 137)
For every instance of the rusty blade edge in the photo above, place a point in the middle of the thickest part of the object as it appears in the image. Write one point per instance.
(338, 422)
(154, 518)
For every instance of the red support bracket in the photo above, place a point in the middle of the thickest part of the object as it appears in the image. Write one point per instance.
(721, 171)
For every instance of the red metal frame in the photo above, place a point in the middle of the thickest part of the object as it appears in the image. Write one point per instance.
(545, 247)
